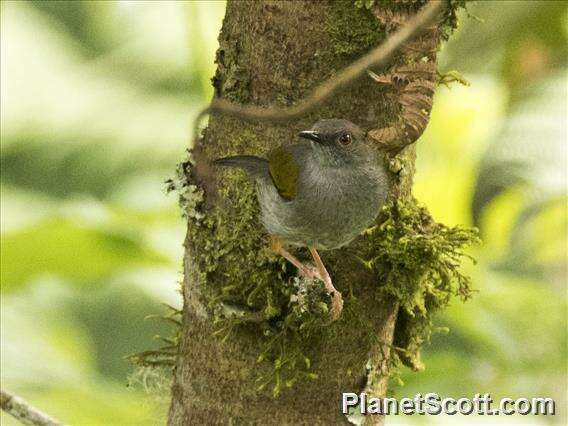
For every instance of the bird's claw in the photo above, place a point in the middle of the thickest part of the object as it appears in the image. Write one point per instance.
(336, 305)
(336, 298)
(336, 302)
(314, 273)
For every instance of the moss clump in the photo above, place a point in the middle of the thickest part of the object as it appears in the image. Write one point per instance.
(367, 4)
(165, 355)
(307, 312)
(289, 316)
(417, 261)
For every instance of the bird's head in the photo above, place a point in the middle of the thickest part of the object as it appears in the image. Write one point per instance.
(339, 141)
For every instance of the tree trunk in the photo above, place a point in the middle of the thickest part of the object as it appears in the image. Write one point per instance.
(274, 53)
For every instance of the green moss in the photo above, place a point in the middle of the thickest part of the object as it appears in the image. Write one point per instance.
(417, 261)
(367, 4)
(291, 313)
(449, 77)
(165, 355)
(286, 331)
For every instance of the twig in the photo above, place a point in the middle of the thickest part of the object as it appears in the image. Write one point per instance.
(24, 412)
(376, 57)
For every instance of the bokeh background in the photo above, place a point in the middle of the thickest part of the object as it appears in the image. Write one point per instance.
(96, 105)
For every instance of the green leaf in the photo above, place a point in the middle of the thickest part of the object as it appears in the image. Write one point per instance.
(77, 252)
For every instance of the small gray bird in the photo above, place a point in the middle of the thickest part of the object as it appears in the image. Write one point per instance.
(320, 193)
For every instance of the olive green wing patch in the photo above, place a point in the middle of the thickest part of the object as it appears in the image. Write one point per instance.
(284, 172)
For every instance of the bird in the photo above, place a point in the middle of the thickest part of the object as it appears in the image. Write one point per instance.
(320, 192)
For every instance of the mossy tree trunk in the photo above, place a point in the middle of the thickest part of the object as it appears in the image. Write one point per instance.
(274, 53)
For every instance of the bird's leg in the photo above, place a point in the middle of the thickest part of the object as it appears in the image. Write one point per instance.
(277, 247)
(336, 299)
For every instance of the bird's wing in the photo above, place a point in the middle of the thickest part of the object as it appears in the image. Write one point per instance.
(284, 171)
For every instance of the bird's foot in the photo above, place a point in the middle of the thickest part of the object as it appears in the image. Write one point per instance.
(277, 246)
(313, 272)
(323, 275)
(336, 305)
(309, 271)
(336, 298)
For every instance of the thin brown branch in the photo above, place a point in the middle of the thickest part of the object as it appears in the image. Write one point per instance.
(375, 58)
(24, 412)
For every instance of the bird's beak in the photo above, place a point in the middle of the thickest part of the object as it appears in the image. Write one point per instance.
(312, 135)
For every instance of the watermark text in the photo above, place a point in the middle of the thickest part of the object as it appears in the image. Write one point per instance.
(433, 404)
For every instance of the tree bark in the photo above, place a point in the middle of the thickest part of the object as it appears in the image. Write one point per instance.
(274, 53)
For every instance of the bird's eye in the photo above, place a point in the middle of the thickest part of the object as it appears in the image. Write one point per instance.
(345, 139)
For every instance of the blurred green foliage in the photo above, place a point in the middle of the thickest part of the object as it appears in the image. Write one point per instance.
(96, 103)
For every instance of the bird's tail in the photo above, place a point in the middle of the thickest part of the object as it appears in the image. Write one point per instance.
(253, 165)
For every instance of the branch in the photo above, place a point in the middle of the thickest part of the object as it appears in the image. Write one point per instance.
(375, 58)
(24, 412)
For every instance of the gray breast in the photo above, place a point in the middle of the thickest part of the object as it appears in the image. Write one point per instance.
(332, 207)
